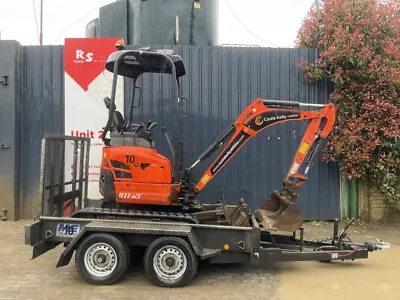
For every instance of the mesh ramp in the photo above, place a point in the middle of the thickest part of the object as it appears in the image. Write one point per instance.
(63, 175)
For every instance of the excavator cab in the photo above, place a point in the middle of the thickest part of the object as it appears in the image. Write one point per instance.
(132, 171)
(132, 64)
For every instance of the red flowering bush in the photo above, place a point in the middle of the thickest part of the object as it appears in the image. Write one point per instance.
(360, 54)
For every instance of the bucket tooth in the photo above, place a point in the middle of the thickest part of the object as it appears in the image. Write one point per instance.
(279, 212)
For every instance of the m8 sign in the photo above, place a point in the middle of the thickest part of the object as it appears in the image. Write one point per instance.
(67, 230)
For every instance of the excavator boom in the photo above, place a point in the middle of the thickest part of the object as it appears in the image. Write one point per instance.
(262, 114)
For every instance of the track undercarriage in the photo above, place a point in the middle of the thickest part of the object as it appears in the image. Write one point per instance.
(203, 214)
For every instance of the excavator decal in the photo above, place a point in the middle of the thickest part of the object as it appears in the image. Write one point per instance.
(258, 123)
(269, 118)
(238, 141)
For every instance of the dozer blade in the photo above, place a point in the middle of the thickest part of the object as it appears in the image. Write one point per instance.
(279, 212)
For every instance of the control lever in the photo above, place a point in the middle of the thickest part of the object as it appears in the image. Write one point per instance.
(343, 234)
(140, 127)
(151, 126)
(107, 103)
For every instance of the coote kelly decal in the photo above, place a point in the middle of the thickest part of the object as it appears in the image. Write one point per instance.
(269, 118)
(239, 140)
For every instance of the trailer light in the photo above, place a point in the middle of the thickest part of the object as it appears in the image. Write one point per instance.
(226, 246)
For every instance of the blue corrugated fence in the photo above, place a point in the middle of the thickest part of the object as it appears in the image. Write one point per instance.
(219, 84)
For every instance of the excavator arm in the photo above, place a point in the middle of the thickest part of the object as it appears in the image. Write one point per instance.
(279, 212)
(262, 114)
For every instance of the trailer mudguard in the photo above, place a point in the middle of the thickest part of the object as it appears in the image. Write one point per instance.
(34, 238)
(66, 255)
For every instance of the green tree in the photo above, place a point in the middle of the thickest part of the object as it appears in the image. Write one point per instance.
(360, 42)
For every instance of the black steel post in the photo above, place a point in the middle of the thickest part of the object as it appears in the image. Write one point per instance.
(81, 162)
(336, 230)
(301, 238)
(74, 175)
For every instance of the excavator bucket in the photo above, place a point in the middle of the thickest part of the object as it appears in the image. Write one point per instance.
(279, 211)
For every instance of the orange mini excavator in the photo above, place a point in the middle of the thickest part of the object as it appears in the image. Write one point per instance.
(134, 173)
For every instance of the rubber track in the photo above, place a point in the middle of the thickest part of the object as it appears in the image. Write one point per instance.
(89, 212)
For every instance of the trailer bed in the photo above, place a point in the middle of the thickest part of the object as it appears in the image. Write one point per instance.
(219, 243)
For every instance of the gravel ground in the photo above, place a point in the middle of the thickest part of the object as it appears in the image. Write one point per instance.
(22, 278)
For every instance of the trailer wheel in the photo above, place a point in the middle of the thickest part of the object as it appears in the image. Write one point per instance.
(102, 258)
(170, 262)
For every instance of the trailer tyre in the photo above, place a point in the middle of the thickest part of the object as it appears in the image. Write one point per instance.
(170, 262)
(102, 259)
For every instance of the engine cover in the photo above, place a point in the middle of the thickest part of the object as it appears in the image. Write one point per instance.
(137, 175)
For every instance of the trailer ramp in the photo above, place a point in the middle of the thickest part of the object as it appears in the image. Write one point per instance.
(63, 175)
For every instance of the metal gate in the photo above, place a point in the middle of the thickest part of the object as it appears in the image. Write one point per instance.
(9, 129)
(42, 108)
(64, 170)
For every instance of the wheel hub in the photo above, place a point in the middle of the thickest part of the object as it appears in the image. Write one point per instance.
(170, 262)
(100, 259)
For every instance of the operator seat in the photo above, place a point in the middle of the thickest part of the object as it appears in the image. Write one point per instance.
(118, 121)
(122, 136)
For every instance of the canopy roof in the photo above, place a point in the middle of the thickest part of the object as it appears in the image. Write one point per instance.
(136, 62)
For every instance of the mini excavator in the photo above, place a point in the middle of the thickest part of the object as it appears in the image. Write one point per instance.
(134, 173)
